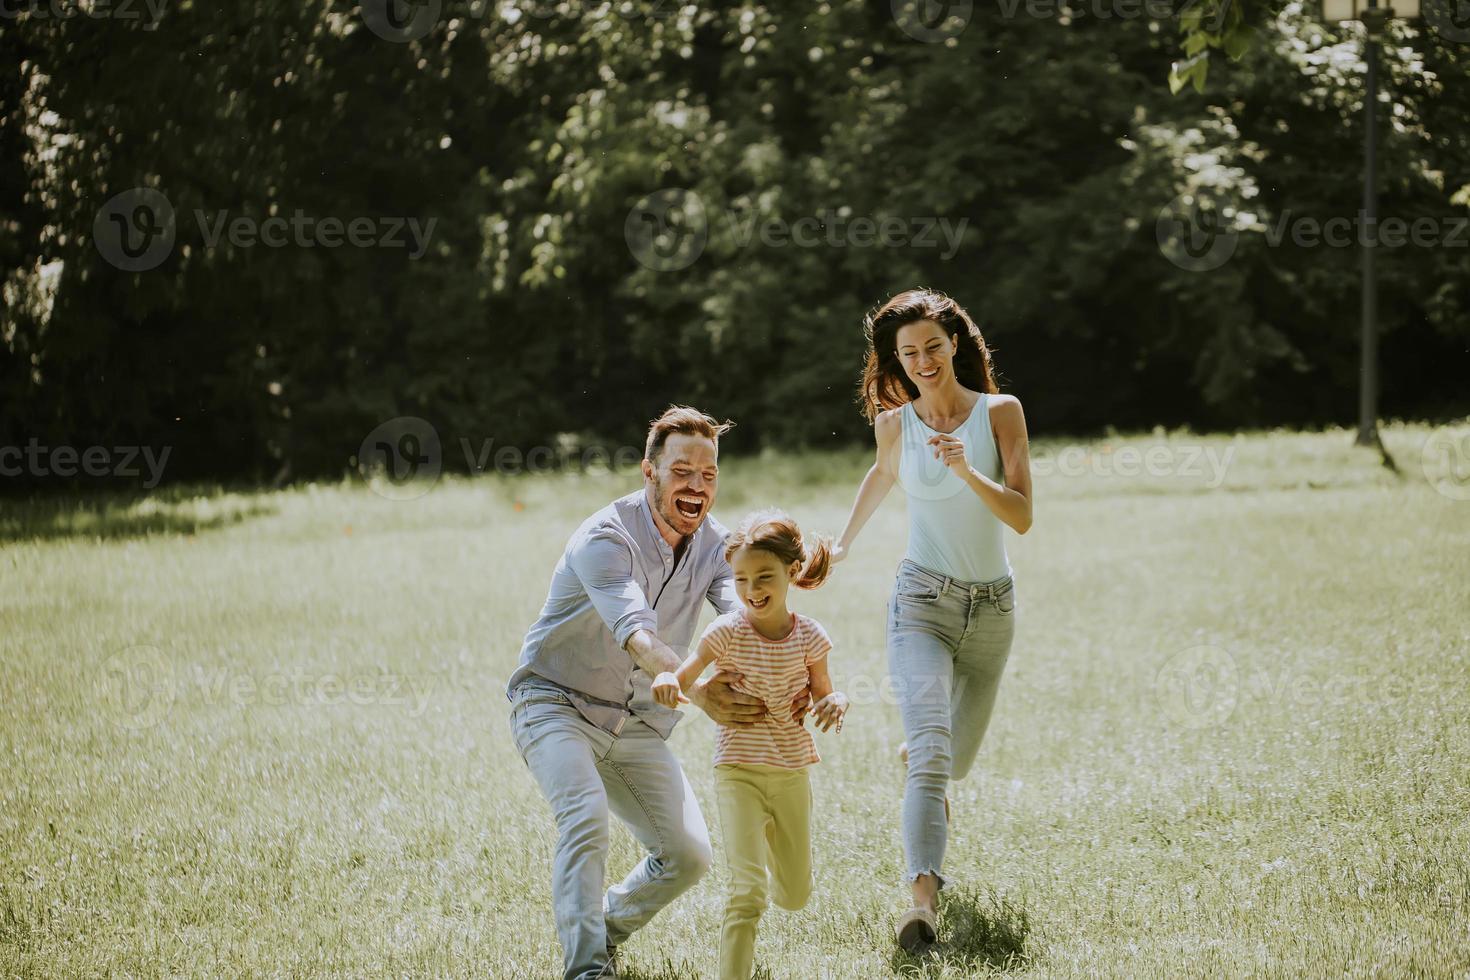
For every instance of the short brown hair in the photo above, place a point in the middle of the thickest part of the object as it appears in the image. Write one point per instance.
(681, 420)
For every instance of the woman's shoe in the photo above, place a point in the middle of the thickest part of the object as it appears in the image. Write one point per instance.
(903, 753)
(917, 929)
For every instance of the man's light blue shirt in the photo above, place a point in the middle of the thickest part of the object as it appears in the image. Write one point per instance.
(616, 576)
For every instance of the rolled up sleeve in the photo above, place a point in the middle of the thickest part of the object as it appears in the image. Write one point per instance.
(603, 562)
(722, 594)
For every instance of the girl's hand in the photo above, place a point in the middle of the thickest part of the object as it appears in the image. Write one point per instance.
(829, 711)
(839, 552)
(666, 690)
(949, 450)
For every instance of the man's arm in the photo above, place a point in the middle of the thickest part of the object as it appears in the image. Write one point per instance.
(650, 653)
(603, 563)
(721, 593)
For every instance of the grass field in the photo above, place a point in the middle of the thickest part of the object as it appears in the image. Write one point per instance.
(265, 734)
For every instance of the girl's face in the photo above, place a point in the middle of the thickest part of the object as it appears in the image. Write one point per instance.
(926, 353)
(761, 580)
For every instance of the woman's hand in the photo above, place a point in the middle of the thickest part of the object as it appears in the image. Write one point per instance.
(949, 450)
(829, 711)
(666, 690)
(839, 552)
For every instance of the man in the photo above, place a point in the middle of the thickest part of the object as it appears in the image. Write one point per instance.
(624, 602)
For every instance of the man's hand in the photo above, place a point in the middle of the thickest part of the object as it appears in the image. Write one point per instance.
(800, 705)
(726, 705)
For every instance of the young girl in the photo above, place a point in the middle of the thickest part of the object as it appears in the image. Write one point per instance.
(760, 771)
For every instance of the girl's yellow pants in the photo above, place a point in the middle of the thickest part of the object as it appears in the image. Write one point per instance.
(765, 820)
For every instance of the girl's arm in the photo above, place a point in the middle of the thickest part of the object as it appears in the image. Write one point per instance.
(828, 705)
(1011, 502)
(669, 686)
(875, 486)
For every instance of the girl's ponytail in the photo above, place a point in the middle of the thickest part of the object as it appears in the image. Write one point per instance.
(775, 531)
(818, 563)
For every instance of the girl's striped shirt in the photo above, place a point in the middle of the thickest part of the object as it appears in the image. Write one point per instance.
(774, 671)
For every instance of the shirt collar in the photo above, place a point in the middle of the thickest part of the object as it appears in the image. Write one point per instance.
(650, 524)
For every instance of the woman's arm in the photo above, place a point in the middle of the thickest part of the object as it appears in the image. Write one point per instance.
(1011, 502)
(875, 486)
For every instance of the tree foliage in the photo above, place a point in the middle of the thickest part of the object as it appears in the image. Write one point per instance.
(534, 135)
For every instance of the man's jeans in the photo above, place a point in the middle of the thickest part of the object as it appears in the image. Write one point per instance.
(585, 773)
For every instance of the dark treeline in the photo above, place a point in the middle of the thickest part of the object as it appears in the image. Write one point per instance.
(1021, 164)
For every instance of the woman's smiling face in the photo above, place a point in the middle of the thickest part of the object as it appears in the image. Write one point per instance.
(926, 353)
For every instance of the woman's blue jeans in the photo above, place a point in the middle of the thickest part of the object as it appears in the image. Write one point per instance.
(947, 647)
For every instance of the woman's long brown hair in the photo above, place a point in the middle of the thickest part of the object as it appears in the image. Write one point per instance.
(884, 384)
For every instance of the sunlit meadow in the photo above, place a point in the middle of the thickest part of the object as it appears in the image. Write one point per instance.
(265, 734)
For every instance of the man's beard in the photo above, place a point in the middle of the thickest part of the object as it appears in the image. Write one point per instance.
(668, 511)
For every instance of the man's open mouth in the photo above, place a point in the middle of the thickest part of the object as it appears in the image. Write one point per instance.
(689, 506)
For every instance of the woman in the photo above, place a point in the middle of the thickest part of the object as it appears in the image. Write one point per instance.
(958, 449)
